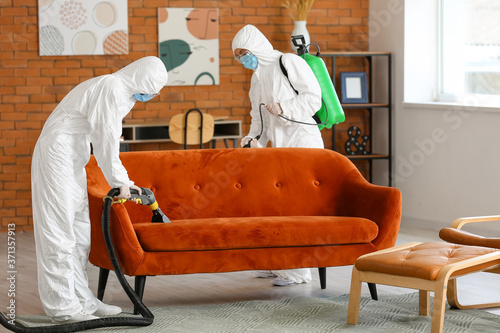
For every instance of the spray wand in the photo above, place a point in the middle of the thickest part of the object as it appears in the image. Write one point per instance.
(261, 127)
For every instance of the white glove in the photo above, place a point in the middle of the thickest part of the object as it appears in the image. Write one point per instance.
(253, 142)
(125, 191)
(137, 188)
(274, 109)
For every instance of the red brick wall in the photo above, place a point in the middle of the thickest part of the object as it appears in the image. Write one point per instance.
(31, 86)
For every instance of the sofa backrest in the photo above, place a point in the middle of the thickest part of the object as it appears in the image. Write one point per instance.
(234, 182)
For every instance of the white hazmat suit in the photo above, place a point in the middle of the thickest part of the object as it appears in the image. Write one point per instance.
(90, 113)
(270, 85)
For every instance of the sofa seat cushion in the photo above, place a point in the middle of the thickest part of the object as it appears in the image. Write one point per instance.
(254, 232)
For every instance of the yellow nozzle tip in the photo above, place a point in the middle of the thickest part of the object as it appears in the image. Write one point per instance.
(154, 205)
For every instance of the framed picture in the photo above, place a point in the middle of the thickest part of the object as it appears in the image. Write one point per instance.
(353, 87)
(188, 45)
(90, 27)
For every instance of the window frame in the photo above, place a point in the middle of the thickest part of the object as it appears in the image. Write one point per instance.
(455, 78)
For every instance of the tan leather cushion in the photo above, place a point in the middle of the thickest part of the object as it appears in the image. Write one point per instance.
(254, 232)
(421, 261)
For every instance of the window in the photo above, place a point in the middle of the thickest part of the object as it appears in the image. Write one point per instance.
(469, 52)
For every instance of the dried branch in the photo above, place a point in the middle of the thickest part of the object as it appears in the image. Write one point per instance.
(298, 8)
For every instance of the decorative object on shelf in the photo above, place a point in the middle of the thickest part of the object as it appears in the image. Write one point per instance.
(298, 10)
(196, 130)
(353, 86)
(299, 28)
(360, 148)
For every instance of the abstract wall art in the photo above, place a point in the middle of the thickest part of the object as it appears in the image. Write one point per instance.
(189, 45)
(84, 27)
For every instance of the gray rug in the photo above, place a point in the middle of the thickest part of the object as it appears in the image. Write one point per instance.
(392, 313)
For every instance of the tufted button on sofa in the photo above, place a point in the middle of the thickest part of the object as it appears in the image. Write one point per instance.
(242, 209)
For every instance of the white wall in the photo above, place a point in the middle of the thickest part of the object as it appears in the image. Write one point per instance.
(446, 158)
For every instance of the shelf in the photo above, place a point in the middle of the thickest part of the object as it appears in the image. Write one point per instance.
(368, 157)
(142, 132)
(369, 110)
(365, 105)
(352, 54)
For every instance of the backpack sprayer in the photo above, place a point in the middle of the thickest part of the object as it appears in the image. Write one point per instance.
(146, 198)
(331, 111)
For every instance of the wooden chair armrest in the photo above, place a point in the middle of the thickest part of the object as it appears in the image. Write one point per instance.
(460, 222)
(455, 234)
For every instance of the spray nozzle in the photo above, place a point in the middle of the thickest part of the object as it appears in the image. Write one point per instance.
(261, 127)
(300, 42)
(302, 48)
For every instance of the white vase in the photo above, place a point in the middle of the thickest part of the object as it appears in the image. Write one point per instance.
(300, 29)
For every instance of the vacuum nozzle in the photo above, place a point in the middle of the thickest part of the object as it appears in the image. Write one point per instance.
(147, 197)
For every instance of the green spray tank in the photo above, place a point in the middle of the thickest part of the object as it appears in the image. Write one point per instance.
(331, 111)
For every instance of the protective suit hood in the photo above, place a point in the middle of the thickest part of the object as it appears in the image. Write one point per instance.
(147, 75)
(250, 38)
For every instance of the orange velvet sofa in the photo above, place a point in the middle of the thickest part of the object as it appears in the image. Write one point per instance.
(242, 209)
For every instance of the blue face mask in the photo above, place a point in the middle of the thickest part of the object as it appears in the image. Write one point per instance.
(249, 61)
(144, 97)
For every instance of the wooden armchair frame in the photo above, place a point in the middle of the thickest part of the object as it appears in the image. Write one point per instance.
(455, 234)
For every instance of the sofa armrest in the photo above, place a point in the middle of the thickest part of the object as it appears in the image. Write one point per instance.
(127, 246)
(380, 204)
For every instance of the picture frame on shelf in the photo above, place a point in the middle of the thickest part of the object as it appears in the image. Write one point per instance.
(354, 87)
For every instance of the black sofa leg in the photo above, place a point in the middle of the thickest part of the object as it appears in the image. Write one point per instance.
(322, 277)
(103, 280)
(373, 291)
(140, 283)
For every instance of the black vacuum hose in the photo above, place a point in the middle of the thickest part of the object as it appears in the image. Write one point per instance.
(147, 316)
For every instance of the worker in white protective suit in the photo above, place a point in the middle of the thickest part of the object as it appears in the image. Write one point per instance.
(90, 113)
(271, 87)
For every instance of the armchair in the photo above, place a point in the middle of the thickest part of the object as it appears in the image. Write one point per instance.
(455, 234)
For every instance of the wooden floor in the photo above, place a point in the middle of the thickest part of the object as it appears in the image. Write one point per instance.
(219, 288)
